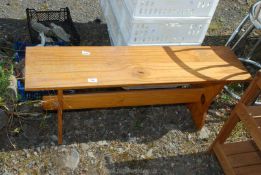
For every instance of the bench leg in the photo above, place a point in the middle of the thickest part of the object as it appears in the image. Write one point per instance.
(199, 109)
(60, 116)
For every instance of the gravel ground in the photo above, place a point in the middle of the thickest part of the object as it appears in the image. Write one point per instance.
(143, 140)
(81, 10)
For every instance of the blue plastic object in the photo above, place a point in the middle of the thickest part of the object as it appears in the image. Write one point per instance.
(24, 96)
(33, 95)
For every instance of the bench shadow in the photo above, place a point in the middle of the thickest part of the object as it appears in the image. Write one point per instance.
(142, 124)
(196, 72)
(189, 164)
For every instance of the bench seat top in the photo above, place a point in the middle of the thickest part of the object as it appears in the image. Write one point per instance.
(52, 68)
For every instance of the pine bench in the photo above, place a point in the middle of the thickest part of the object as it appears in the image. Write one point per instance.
(206, 69)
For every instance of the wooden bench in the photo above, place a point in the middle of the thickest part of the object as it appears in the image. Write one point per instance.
(205, 69)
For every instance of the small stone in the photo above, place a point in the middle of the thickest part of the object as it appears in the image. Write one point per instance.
(14, 162)
(35, 153)
(84, 146)
(74, 145)
(149, 153)
(173, 146)
(189, 137)
(37, 105)
(42, 147)
(38, 149)
(90, 154)
(54, 138)
(27, 155)
(120, 150)
(203, 133)
(72, 160)
(102, 143)
(133, 140)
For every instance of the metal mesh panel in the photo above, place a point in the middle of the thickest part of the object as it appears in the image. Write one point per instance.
(61, 18)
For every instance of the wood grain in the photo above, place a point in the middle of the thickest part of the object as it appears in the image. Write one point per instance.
(251, 125)
(66, 67)
(125, 98)
(249, 170)
(236, 158)
(254, 111)
(245, 159)
(223, 159)
(239, 158)
(199, 109)
(239, 147)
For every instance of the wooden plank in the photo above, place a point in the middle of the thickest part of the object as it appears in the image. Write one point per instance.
(245, 159)
(199, 109)
(258, 121)
(248, 170)
(223, 160)
(67, 68)
(252, 92)
(254, 111)
(125, 98)
(250, 123)
(226, 129)
(239, 147)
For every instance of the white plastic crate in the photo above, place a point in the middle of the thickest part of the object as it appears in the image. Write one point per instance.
(178, 32)
(113, 27)
(170, 8)
(159, 31)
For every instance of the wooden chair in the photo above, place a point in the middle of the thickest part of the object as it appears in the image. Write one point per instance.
(242, 157)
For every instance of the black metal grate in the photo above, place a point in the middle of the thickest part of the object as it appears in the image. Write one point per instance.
(61, 18)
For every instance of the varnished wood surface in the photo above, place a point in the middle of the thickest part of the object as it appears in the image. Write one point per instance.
(241, 158)
(199, 109)
(66, 67)
(125, 98)
(252, 126)
(223, 159)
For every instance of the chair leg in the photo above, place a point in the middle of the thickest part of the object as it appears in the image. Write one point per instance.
(226, 130)
(199, 110)
(60, 117)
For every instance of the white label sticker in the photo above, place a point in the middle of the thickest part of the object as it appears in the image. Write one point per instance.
(92, 80)
(86, 53)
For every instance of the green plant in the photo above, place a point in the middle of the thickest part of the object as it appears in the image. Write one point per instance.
(6, 70)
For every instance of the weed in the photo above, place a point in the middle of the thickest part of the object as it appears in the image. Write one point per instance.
(5, 73)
